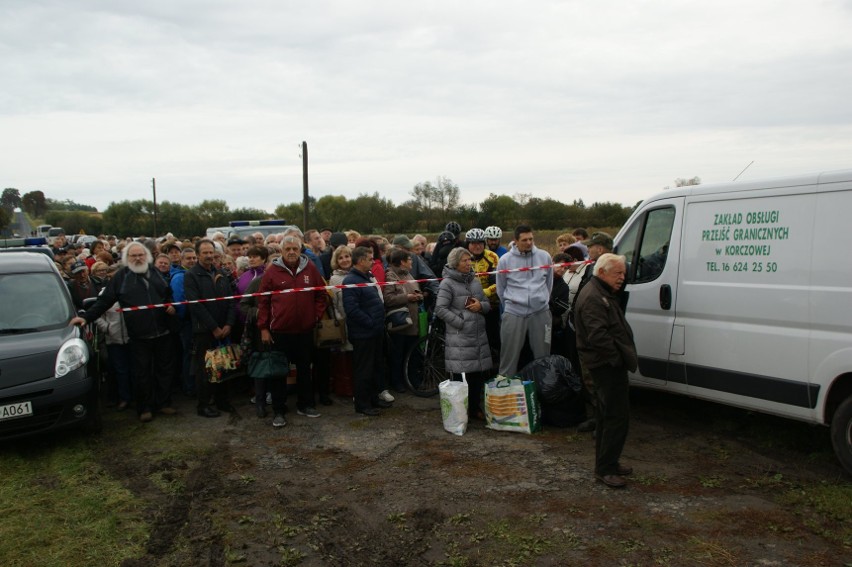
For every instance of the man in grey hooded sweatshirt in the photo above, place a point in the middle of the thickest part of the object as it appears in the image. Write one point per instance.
(524, 296)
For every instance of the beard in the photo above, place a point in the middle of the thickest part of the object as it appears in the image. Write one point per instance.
(140, 268)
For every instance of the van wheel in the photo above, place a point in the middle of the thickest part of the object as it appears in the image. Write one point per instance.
(841, 434)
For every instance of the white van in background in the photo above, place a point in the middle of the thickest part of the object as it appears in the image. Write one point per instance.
(741, 293)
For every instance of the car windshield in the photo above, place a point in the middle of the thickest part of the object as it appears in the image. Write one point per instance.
(32, 302)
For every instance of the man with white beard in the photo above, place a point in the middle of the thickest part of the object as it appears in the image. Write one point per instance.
(136, 285)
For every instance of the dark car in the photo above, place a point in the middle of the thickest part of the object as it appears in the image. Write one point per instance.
(44, 380)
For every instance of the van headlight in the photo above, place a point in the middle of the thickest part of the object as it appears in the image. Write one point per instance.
(73, 354)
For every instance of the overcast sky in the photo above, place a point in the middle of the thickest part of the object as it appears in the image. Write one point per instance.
(601, 101)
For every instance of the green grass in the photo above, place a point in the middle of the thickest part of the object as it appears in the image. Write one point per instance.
(824, 508)
(59, 508)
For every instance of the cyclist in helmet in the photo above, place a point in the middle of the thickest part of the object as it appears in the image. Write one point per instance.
(484, 260)
(493, 234)
(447, 240)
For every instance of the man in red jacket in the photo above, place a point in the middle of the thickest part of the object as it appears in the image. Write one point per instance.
(287, 320)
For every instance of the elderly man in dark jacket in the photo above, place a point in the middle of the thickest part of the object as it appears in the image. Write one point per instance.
(607, 351)
(211, 323)
(365, 318)
(137, 285)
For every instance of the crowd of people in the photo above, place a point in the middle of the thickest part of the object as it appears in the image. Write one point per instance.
(502, 306)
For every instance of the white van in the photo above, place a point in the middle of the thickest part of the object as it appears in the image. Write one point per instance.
(741, 293)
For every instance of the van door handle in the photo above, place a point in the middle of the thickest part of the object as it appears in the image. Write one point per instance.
(666, 296)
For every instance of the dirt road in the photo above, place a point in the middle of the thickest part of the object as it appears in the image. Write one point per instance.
(708, 489)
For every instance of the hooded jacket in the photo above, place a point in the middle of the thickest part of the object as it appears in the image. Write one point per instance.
(466, 342)
(295, 312)
(524, 293)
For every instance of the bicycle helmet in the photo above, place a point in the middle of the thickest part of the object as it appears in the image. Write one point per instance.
(475, 235)
(493, 232)
(453, 227)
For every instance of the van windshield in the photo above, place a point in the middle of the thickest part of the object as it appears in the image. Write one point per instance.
(32, 302)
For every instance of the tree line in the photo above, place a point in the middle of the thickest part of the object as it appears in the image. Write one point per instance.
(430, 207)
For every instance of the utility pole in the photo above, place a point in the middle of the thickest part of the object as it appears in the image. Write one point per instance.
(305, 185)
(154, 186)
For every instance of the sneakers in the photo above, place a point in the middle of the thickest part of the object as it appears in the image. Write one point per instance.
(386, 396)
(308, 412)
(279, 420)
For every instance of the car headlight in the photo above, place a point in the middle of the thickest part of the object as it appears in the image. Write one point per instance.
(73, 354)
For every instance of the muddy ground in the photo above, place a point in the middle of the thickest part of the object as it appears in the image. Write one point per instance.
(711, 486)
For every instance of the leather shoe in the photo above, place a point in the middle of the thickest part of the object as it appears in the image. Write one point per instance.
(612, 480)
(372, 412)
(208, 412)
(226, 408)
(377, 403)
(623, 470)
(146, 416)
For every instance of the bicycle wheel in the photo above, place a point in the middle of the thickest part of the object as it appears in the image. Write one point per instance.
(424, 366)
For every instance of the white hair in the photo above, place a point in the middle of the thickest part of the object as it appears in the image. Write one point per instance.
(605, 261)
(148, 257)
(295, 230)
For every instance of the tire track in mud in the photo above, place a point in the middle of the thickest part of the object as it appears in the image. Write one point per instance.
(181, 531)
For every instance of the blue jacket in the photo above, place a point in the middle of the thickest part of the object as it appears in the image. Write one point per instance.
(178, 293)
(364, 307)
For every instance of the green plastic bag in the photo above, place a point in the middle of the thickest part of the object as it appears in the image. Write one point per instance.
(423, 320)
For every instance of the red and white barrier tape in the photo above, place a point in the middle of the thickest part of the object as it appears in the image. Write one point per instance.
(341, 286)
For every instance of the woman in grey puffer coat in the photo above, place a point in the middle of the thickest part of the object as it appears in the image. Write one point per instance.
(461, 304)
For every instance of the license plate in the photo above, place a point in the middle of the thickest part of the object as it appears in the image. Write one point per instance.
(20, 409)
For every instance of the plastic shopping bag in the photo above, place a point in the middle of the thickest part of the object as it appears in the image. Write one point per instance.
(222, 362)
(512, 405)
(454, 405)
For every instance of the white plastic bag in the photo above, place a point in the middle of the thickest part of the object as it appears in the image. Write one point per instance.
(454, 405)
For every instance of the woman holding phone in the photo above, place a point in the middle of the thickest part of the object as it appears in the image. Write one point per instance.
(461, 304)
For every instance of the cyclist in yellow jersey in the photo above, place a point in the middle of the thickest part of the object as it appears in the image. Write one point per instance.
(484, 260)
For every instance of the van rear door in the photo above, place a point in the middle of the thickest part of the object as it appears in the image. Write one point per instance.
(651, 243)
